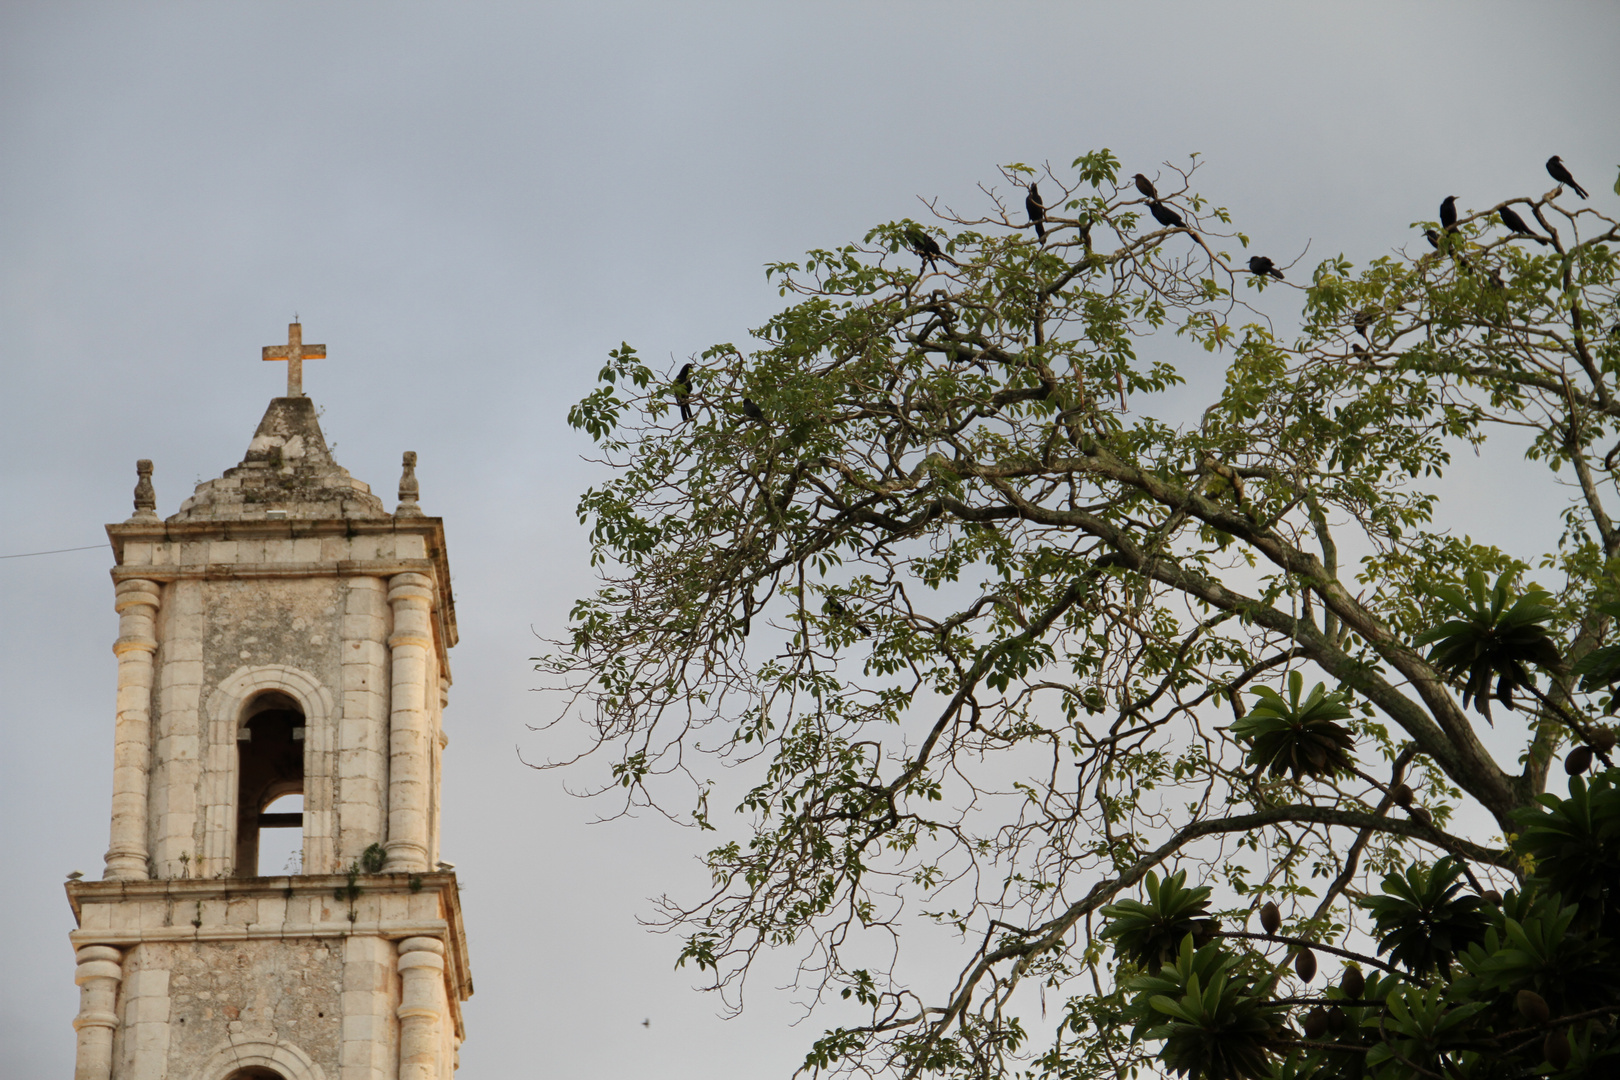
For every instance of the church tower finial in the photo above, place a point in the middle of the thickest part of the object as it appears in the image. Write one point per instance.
(409, 490)
(145, 494)
(295, 352)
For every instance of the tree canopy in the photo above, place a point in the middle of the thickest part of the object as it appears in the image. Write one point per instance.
(1091, 594)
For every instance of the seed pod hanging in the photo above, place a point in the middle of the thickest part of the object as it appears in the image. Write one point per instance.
(1492, 897)
(1602, 739)
(1533, 1006)
(1403, 795)
(1305, 965)
(1556, 1047)
(1419, 814)
(1315, 1023)
(1337, 1020)
(1578, 761)
(1270, 918)
(1353, 983)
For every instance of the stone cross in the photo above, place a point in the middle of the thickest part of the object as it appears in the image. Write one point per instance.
(294, 353)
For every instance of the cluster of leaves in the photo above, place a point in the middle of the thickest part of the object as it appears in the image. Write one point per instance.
(920, 574)
(1305, 738)
(1493, 986)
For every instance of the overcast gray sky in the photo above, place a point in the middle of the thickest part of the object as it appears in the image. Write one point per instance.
(469, 205)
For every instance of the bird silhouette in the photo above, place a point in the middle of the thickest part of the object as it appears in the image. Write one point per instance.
(1434, 242)
(1260, 266)
(1516, 224)
(683, 391)
(1561, 174)
(925, 246)
(1448, 213)
(833, 607)
(1166, 216)
(1037, 212)
(1361, 321)
(1145, 186)
(752, 411)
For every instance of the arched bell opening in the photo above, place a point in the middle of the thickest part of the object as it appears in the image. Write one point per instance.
(270, 766)
(255, 1072)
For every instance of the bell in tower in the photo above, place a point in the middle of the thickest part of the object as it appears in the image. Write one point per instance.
(282, 673)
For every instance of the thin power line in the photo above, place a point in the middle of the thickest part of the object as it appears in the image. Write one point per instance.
(57, 551)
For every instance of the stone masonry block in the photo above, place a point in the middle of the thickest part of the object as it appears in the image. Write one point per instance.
(183, 647)
(363, 1028)
(241, 912)
(272, 910)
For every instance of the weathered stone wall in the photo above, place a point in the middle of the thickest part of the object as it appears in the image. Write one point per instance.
(291, 988)
(311, 967)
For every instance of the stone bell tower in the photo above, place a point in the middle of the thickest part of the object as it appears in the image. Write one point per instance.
(281, 635)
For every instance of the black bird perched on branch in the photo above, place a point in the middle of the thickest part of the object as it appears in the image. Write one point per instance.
(1260, 266)
(1363, 319)
(1037, 212)
(1448, 213)
(1561, 174)
(752, 411)
(683, 391)
(1165, 216)
(1145, 186)
(1516, 224)
(925, 246)
(1434, 242)
(832, 607)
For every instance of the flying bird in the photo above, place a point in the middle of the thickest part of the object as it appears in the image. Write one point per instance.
(1145, 186)
(1448, 213)
(1260, 266)
(752, 411)
(1166, 216)
(925, 246)
(1516, 224)
(683, 391)
(1037, 212)
(1561, 174)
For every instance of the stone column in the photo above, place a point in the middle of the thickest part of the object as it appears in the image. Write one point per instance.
(421, 979)
(137, 604)
(409, 723)
(98, 976)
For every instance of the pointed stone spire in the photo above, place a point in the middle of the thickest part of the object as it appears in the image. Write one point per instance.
(409, 489)
(145, 494)
(287, 472)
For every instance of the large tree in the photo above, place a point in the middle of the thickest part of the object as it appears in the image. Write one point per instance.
(1005, 624)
